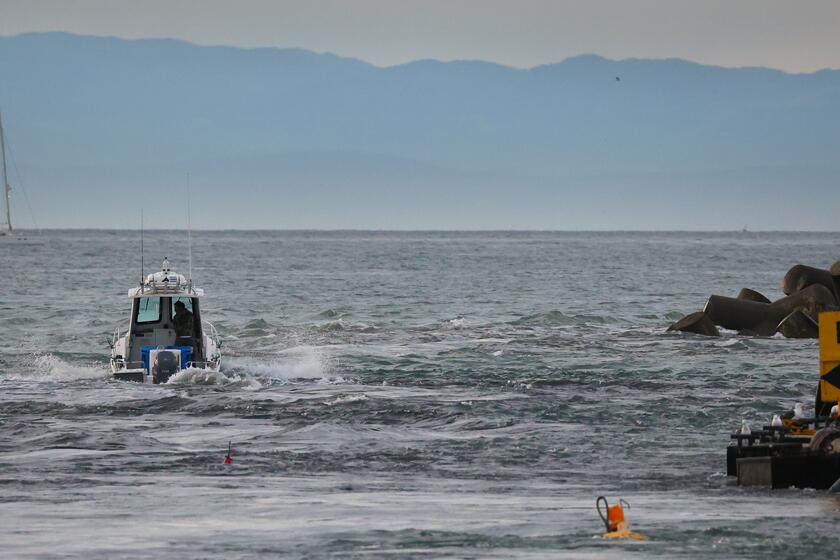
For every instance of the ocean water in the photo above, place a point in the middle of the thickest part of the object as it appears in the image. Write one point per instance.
(402, 395)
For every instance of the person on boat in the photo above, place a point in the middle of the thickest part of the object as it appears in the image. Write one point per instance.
(183, 321)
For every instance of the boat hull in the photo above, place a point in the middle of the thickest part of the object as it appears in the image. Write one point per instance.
(143, 376)
(136, 376)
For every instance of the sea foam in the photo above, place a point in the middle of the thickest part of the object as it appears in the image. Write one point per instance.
(48, 367)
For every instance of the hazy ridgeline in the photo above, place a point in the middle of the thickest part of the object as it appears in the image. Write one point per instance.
(322, 141)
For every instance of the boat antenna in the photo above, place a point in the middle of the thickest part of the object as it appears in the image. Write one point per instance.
(142, 264)
(189, 230)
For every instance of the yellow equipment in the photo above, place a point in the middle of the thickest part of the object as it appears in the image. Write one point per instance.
(829, 388)
(625, 535)
(798, 428)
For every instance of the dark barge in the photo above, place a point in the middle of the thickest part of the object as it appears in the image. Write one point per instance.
(794, 451)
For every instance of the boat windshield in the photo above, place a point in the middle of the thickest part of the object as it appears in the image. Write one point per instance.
(148, 310)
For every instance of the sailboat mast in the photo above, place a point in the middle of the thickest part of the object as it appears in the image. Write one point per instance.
(7, 190)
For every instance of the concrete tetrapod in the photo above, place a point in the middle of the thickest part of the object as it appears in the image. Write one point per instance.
(835, 275)
(763, 319)
(747, 294)
(697, 323)
(800, 277)
(811, 300)
(799, 325)
(738, 314)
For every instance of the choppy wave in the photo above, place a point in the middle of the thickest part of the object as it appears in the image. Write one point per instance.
(410, 397)
(48, 367)
(558, 318)
(455, 323)
(337, 325)
(301, 363)
(257, 324)
(330, 314)
(340, 324)
(192, 376)
(298, 364)
(346, 399)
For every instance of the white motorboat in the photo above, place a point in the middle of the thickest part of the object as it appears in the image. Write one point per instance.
(165, 334)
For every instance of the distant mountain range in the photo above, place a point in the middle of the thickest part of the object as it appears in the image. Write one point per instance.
(291, 138)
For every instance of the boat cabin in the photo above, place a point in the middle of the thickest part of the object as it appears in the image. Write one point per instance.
(171, 322)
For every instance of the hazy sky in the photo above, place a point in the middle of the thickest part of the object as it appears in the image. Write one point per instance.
(797, 36)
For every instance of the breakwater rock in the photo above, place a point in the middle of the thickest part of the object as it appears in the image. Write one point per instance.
(808, 291)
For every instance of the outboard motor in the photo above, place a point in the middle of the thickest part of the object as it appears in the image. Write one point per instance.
(165, 364)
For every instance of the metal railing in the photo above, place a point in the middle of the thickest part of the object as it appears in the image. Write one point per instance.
(213, 333)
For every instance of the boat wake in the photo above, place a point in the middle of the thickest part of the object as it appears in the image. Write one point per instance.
(294, 365)
(301, 364)
(196, 376)
(49, 367)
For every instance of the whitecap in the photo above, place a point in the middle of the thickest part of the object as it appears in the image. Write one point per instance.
(48, 367)
(298, 363)
(344, 399)
(194, 376)
(455, 324)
